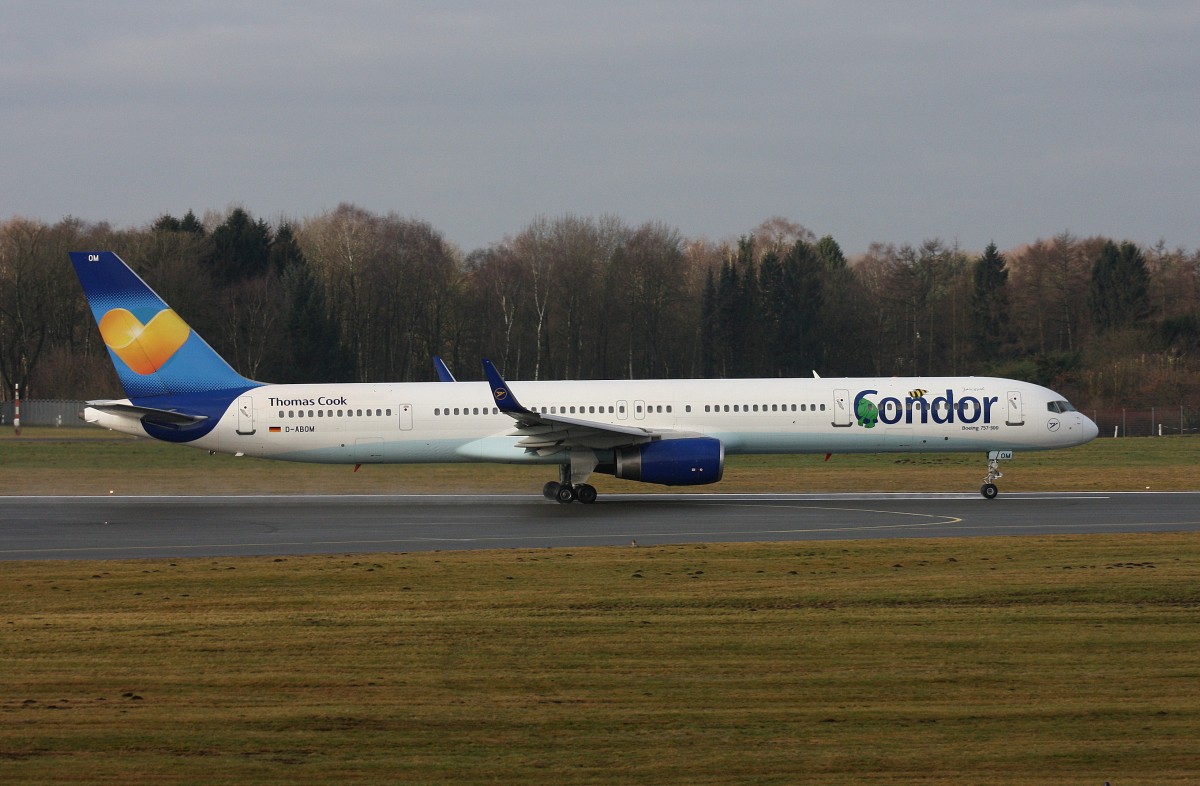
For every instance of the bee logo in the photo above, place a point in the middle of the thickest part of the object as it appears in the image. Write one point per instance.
(917, 393)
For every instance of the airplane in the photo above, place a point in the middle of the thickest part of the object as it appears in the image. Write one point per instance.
(672, 432)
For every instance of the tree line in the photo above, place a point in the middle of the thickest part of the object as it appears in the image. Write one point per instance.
(352, 295)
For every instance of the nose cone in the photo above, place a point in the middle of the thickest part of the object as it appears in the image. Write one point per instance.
(1088, 427)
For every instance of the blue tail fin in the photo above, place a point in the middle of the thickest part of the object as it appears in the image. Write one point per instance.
(154, 351)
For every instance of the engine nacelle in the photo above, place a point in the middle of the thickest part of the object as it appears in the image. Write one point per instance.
(694, 461)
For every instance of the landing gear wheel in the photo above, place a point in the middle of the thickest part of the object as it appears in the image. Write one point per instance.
(565, 494)
(585, 493)
(550, 490)
(989, 490)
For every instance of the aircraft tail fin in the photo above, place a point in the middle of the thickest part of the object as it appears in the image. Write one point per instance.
(154, 351)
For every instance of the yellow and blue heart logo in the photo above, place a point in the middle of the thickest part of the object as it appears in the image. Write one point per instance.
(144, 348)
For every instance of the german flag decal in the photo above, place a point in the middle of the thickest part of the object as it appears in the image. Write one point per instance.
(273, 429)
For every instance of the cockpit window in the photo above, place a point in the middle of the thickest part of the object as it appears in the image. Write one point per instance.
(1060, 406)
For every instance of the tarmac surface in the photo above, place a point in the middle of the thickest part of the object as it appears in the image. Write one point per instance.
(41, 528)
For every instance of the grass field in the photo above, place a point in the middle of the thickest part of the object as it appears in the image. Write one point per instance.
(1042, 660)
(93, 461)
(1050, 660)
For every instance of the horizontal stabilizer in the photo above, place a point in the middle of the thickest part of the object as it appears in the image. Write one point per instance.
(164, 417)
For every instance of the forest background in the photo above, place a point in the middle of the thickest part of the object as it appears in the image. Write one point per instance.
(352, 295)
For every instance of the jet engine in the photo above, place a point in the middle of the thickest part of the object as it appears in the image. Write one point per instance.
(692, 461)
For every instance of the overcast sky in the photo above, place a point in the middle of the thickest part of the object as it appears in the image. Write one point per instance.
(874, 121)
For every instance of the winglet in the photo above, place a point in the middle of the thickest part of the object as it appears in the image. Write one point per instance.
(442, 370)
(503, 396)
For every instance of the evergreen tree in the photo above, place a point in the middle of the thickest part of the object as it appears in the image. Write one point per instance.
(831, 253)
(166, 223)
(803, 301)
(285, 251)
(316, 349)
(709, 326)
(728, 300)
(989, 303)
(189, 223)
(774, 301)
(241, 247)
(747, 349)
(1120, 286)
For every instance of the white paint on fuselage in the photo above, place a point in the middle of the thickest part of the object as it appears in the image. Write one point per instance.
(752, 416)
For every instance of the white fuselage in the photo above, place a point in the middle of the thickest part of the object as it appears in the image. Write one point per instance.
(458, 421)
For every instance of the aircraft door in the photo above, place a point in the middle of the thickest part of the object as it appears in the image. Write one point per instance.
(406, 417)
(622, 410)
(1016, 413)
(841, 408)
(245, 415)
(639, 410)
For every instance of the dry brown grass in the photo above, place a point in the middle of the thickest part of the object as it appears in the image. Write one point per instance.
(1046, 660)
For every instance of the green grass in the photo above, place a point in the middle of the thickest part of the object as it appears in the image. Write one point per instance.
(92, 461)
(1047, 660)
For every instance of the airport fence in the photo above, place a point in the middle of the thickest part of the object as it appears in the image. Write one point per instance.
(1152, 422)
(1113, 421)
(44, 412)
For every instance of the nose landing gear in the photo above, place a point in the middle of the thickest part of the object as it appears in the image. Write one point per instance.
(988, 489)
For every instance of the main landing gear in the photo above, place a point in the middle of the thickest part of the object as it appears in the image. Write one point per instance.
(565, 490)
(565, 494)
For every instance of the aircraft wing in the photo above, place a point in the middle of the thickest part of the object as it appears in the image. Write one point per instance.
(546, 434)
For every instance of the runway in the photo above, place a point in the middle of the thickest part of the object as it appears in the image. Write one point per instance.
(38, 528)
